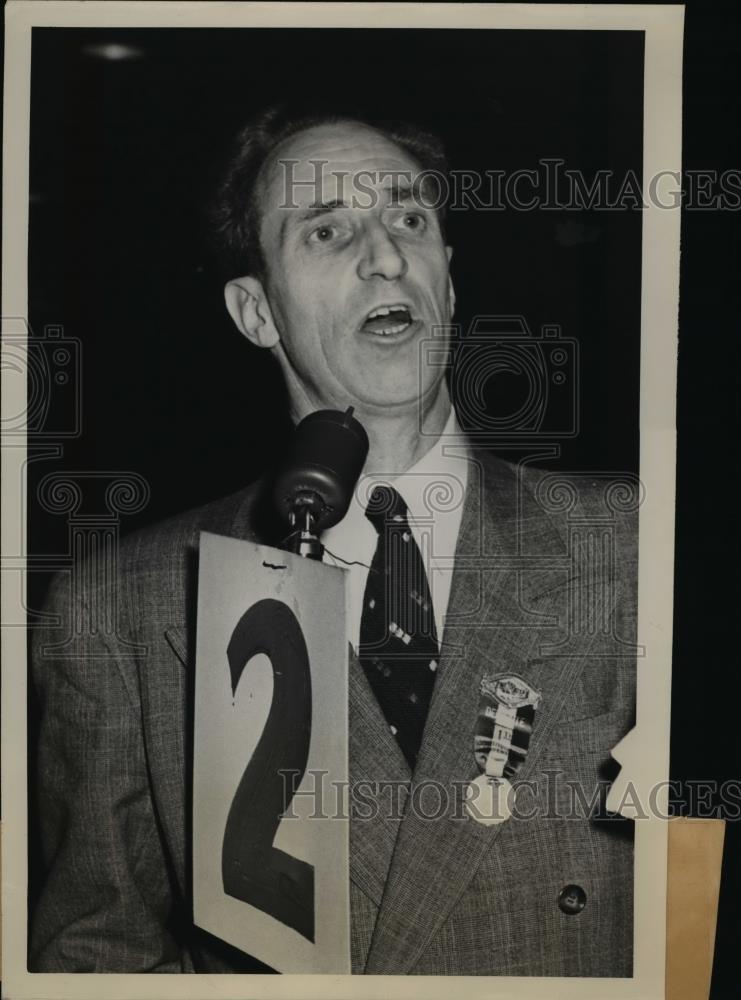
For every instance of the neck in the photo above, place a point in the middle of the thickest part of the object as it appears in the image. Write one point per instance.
(399, 440)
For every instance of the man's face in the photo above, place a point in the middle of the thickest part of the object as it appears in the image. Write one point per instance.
(357, 271)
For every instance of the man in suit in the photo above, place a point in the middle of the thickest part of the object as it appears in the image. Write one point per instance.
(344, 272)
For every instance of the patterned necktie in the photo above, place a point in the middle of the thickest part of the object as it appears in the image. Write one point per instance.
(398, 641)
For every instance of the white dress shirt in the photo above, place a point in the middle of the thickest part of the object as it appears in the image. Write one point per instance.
(433, 490)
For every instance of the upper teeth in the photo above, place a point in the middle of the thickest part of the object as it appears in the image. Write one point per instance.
(385, 311)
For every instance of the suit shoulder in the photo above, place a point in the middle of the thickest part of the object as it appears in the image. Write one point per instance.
(175, 536)
(570, 495)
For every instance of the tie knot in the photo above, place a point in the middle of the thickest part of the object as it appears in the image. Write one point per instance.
(385, 506)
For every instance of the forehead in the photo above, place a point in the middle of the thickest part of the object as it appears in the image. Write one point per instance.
(318, 161)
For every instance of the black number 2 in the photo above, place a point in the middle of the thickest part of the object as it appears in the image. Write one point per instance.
(252, 869)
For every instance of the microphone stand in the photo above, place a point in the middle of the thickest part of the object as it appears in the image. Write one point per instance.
(304, 540)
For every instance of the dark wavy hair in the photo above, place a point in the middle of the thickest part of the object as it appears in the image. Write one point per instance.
(235, 212)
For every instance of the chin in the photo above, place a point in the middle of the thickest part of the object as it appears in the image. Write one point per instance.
(389, 401)
(376, 392)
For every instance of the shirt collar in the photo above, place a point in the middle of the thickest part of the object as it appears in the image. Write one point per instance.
(433, 487)
(437, 481)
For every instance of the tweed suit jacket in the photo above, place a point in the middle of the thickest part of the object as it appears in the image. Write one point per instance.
(544, 588)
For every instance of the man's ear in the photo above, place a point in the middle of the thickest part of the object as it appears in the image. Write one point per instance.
(451, 290)
(248, 307)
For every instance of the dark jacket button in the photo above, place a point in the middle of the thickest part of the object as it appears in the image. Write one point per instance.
(572, 899)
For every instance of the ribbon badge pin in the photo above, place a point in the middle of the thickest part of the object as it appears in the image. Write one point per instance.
(501, 740)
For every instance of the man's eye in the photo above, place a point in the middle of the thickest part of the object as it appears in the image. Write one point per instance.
(411, 220)
(323, 234)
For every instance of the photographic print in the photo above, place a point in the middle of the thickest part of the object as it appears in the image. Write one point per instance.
(339, 425)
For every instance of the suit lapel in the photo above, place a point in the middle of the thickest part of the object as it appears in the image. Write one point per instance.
(488, 631)
(379, 777)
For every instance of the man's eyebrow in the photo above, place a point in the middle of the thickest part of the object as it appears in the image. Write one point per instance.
(321, 208)
(313, 211)
(404, 191)
(401, 192)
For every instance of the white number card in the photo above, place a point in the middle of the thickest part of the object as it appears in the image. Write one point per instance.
(270, 855)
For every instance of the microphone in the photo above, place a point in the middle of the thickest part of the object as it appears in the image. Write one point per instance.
(314, 486)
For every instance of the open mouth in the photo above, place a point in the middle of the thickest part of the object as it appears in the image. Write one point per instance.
(386, 321)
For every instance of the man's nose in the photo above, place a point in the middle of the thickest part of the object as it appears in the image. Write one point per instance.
(381, 256)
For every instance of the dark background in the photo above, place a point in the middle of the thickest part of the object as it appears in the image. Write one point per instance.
(124, 155)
